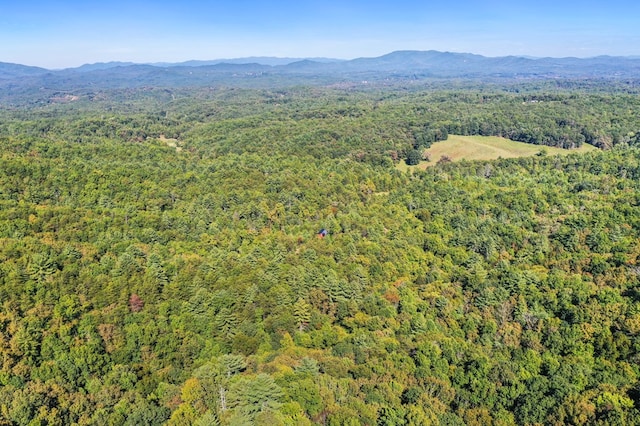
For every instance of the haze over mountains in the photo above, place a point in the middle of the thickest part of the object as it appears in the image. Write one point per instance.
(268, 71)
(441, 64)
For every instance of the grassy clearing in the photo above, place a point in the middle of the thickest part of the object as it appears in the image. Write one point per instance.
(173, 143)
(486, 148)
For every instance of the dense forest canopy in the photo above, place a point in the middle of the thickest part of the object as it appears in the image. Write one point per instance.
(160, 263)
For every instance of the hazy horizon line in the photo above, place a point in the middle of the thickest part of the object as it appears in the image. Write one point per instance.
(309, 58)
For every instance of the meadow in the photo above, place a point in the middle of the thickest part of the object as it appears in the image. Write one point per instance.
(483, 148)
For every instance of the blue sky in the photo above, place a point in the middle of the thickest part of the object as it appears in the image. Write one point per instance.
(58, 34)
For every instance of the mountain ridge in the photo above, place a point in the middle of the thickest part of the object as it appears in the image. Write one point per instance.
(19, 82)
(416, 57)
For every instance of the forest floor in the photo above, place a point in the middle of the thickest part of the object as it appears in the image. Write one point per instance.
(486, 148)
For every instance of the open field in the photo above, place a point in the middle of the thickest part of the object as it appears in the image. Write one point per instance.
(487, 148)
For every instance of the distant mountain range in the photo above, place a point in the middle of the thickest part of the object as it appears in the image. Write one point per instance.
(261, 60)
(439, 64)
(269, 71)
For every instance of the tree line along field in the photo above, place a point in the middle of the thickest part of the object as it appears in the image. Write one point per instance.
(141, 284)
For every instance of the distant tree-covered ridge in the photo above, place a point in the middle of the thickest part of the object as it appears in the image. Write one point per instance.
(403, 68)
(160, 260)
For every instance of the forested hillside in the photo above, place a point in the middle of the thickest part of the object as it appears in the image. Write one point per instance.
(160, 261)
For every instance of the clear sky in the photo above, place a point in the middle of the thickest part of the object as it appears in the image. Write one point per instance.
(67, 33)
